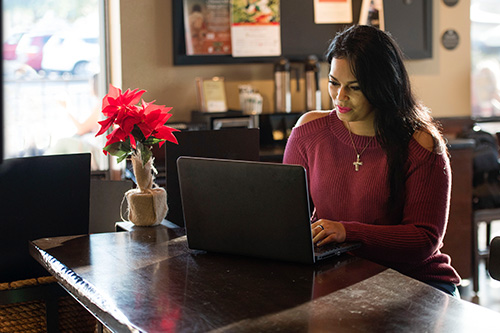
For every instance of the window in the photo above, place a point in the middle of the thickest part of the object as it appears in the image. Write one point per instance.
(485, 44)
(52, 77)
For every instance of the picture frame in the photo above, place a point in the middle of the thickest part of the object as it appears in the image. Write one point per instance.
(211, 94)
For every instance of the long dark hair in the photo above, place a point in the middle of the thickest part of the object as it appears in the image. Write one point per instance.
(377, 63)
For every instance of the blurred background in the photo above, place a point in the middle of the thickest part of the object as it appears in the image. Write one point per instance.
(52, 77)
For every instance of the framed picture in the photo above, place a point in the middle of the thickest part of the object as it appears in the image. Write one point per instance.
(207, 27)
(211, 94)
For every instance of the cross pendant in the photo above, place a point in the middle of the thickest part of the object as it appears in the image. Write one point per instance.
(357, 163)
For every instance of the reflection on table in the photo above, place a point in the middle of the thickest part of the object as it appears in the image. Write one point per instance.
(148, 280)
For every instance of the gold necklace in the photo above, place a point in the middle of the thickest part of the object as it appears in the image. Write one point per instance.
(358, 162)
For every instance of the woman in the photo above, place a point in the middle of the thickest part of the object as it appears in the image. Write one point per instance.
(377, 165)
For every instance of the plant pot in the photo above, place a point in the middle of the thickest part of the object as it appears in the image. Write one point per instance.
(147, 204)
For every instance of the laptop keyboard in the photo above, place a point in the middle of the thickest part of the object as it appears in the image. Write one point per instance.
(335, 248)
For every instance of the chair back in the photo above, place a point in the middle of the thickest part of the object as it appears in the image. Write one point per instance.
(494, 260)
(41, 196)
(106, 197)
(236, 144)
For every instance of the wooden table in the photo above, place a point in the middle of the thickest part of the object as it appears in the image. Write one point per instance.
(148, 280)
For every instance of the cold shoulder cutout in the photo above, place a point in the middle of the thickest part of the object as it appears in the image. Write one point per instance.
(310, 116)
(425, 140)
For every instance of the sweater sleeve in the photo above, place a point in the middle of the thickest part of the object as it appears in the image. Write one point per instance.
(293, 153)
(420, 233)
(296, 146)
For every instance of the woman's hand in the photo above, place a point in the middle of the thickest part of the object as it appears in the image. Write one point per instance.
(326, 231)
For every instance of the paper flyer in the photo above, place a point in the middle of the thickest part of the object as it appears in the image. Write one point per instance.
(332, 11)
(211, 94)
(372, 13)
(207, 27)
(255, 28)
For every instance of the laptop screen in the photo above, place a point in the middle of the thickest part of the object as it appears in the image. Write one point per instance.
(247, 208)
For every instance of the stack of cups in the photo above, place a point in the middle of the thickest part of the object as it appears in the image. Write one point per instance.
(250, 100)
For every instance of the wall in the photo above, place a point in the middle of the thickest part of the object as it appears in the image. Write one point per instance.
(443, 82)
(147, 63)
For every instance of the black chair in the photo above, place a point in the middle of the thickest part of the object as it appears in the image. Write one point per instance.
(486, 193)
(486, 216)
(494, 259)
(43, 196)
(235, 144)
(106, 198)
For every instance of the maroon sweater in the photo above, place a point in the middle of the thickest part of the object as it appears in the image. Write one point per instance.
(358, 199)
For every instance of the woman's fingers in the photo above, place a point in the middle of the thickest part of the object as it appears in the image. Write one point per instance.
(325, 231)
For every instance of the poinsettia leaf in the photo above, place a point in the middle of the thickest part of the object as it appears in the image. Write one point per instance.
(122, 157)
(152, 141)
(119, 149)
(113, 148)
(140, 146)
(146, 155)
(126, 146)
(137, 133)
(120, 153)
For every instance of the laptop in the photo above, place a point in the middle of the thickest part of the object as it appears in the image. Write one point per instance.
(250, 208)
(235, 144)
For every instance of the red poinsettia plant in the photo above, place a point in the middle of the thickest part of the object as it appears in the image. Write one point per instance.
(136, 126)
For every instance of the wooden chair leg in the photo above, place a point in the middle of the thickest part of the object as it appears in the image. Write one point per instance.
(488, 241)
(475, 258)
(488, 233)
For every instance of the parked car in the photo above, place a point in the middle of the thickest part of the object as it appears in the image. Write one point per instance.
(10, 45)
(70, 53)
(29, 50)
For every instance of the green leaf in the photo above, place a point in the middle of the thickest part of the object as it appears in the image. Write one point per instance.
(146, 154)
(140, 146)
(119, 149)
(137, 133)
(152, 141)
(113, 148)
(125, 146)
(121, 158)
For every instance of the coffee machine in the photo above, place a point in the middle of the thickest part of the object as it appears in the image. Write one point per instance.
(313, 91)
(282, 93)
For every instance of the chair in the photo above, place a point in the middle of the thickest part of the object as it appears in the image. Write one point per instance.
(105, 202)
(236, 144)
(43, 196)
(494, 258)
(486, 192)
(487, 216)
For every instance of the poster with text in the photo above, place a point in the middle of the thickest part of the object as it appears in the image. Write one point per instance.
(332, 11)
(372, 13)
(207, 27)
(255, 28)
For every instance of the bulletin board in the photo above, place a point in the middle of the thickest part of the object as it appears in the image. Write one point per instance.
(409, 21)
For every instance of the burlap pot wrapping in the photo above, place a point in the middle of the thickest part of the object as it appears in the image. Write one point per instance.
(147, 204)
